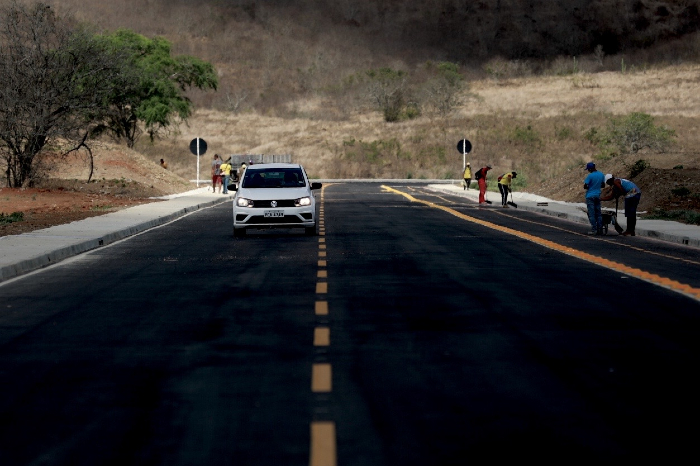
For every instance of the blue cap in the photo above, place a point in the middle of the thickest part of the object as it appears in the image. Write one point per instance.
(590, 166)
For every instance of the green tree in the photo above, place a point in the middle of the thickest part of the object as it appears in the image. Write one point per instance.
(151, 91)
(55, 83)
(636, 131)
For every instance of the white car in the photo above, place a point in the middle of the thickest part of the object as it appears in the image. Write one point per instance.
(274, 195)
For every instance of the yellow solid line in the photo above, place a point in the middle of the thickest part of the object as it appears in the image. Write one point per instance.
(616, 243)
(323, 450)
(321, 287)
(321, 308)
(321, 378)
(631, 271)
(322, 263)
(322, 274)
(322, 336)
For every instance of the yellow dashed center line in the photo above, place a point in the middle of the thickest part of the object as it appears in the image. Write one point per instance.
(321, 378)
(323, 437)
(631, 271)
(322, 336)
(321, 308)
(323, 451)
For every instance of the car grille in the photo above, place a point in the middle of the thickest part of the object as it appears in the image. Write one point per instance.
(267, 203)
(259, 219)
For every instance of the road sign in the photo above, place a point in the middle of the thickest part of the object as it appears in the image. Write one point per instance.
(198, 146)
(464, 146)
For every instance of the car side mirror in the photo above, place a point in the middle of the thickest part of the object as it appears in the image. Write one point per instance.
(316, 185)
(233, 187)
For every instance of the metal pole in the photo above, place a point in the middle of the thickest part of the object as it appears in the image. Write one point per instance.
(198, 162)
(464, 155)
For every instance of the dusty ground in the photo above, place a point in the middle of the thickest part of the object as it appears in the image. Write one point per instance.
(122, 179)
(661, 188)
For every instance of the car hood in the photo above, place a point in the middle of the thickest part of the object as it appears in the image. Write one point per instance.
(273, 193)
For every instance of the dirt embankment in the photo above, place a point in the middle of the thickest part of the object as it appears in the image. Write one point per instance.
(666, 189)
(122, 178)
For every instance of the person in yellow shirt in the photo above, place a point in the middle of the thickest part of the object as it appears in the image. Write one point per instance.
(504, 182)
(225, 174)
(467, 176)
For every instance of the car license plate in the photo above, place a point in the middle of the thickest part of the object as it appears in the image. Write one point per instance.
(274, 213)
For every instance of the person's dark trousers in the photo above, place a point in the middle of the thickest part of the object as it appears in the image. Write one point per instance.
(468, 182)
(631, 204)
(595, 216)
(504, 193)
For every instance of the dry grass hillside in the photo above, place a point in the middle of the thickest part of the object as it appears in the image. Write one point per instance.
(284, 69)
(495, 116)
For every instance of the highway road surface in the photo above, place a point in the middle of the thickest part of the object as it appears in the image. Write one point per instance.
(416, 329)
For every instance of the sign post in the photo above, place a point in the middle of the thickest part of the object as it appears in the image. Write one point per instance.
(198, 147)
(464, 147)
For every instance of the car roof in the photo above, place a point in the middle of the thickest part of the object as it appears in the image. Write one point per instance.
(259, 166)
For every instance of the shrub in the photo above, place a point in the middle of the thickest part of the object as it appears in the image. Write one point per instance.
(636, 131)
(629, 134)
(638, 167)
(11, 218)
(680, 191)
(563, 133)
(526, 135)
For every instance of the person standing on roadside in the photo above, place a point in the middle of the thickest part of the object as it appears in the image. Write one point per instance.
(480, 176)
(467, 176)
(504, 182)
(216, 173)
(593, 184)
(226, 175)
(632, 193)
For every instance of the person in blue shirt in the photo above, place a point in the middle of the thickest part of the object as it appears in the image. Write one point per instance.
(632, 193)
(593, 184)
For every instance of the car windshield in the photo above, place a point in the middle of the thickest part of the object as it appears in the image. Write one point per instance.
(274, 178)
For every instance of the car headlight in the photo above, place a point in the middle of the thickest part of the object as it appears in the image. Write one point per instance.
(243, 202)
(302, 201)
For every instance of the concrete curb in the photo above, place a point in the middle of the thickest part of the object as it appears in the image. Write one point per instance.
(49, 246)
(664, 230)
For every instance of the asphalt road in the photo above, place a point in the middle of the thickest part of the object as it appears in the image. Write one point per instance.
(412, 331)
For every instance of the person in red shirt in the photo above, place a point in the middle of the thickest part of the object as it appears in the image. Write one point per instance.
(480, 176)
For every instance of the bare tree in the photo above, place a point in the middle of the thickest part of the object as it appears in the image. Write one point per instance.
(55, 81)
(386, 90)
(442, 90)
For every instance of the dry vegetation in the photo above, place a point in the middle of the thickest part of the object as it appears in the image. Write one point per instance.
(530, 99)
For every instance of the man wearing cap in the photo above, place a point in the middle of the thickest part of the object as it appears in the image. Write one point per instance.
(504, 182)
(480, 176)
(593, 184)
(632, 193)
